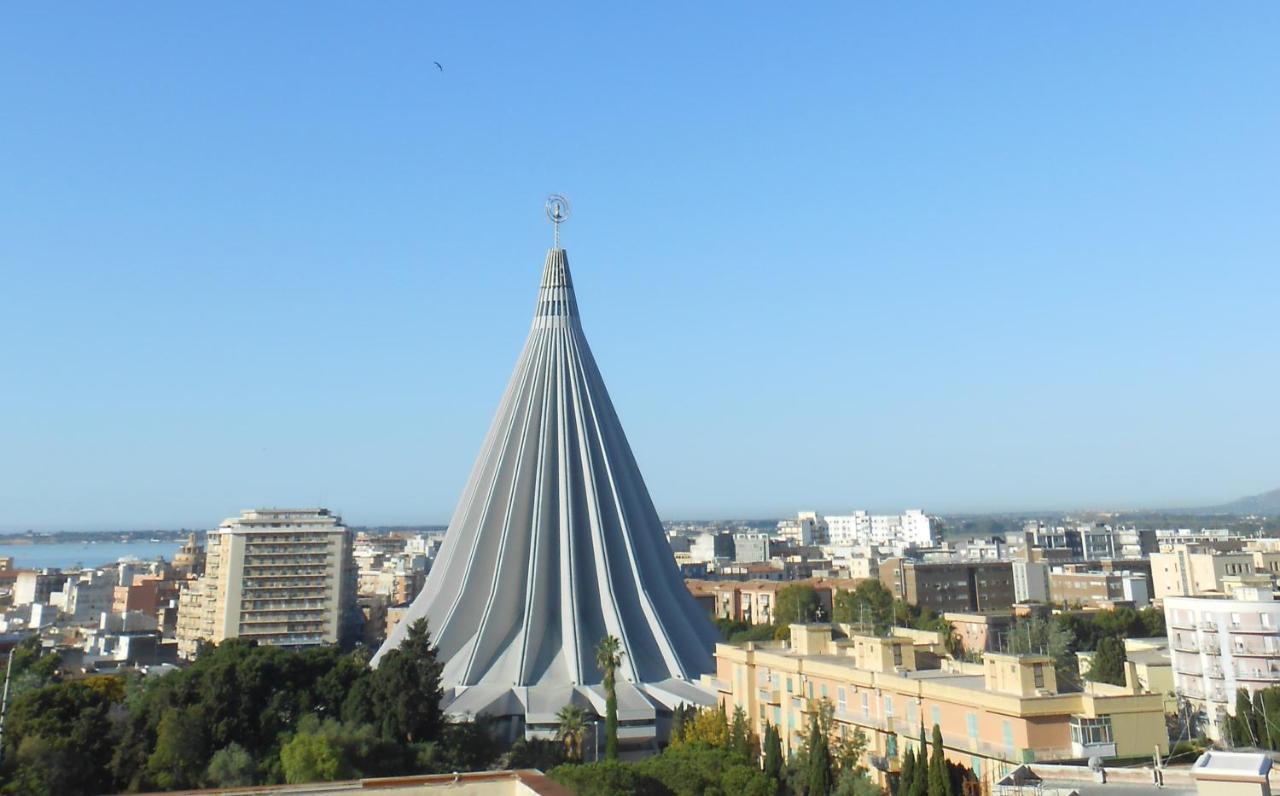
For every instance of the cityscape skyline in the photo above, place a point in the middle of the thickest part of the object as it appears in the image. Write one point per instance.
(976, 261)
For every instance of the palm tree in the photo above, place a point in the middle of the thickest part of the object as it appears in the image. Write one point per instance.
(608, 659)
(571, 730)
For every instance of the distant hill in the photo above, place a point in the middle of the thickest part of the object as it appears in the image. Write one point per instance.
(1266, 503)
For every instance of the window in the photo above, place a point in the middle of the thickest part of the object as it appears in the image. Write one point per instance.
(888, 707)
(897, 655)
(866, 706)
(788, 685)
(936, 713)
(1091, 732)
(840, 701)
(971, 723)
(1007, 729)
(1039, 675)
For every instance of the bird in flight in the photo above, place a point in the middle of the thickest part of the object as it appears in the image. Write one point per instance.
(438, 66)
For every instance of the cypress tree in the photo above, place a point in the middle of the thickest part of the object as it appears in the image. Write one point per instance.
(939, 777)
(1242, 733)
(772, 753)
(1258, 712)
(1271, 716)
(677, 724)
(920, 782)
(906, 776)
(819, 762)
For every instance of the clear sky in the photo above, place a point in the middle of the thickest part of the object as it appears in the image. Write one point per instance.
(994, 256)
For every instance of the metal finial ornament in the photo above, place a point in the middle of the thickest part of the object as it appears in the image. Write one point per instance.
(558, 212)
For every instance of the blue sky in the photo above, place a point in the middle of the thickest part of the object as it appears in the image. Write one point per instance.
(960, 257)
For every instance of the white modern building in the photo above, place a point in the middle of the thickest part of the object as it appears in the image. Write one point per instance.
(912, 528)
(1219, 646)
(278, 576)
(807, 529)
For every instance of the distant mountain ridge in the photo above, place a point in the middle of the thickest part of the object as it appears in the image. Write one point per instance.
(1265, 503)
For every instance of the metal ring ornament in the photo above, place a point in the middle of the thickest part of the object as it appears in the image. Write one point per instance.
(558, 208)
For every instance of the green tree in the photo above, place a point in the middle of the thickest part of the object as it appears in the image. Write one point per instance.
(740, 740)
(796, 604)
(181, 752)
(773, 754)
(1270, 718)
(1108, 662)
(1041, 636)
(312, 757)
(406, 689)
(906, 774)
(230, 767)
(571, 729)
(608, 659)
(855, 782)
(869, 605)
(1243, 724)
(939, 774)
(920, 784)
(60, 737)
(1152, 620)
(819, 778)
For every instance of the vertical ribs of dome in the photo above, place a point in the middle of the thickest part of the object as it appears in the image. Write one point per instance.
(555, 541)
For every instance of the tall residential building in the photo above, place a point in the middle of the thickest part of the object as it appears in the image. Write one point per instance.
(554, 545)
(1219, 646)
(278, 576)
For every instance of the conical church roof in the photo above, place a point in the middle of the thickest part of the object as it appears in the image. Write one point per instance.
(555, 543)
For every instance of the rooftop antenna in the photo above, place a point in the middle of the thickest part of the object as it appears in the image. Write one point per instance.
(557, 212)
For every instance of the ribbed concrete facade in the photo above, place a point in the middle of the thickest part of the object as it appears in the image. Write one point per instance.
(554, 544)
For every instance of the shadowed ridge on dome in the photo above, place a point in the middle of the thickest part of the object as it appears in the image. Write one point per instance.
(555, 541)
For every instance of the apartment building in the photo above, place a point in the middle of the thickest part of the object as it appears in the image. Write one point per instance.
(1095, 588)
(807, 529)
(278, 576)
(1219, 646)
(710, 547)
(749, 548)
(754, 601)
(1187, 570)
(958, 586)
(1030, 581)
(993, 716)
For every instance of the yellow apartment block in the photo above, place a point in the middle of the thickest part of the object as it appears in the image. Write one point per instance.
(993, 715)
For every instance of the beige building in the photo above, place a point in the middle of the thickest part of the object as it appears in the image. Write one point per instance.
(1148, 668)
(993, 715)
(1187, 570)
(278, 576)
